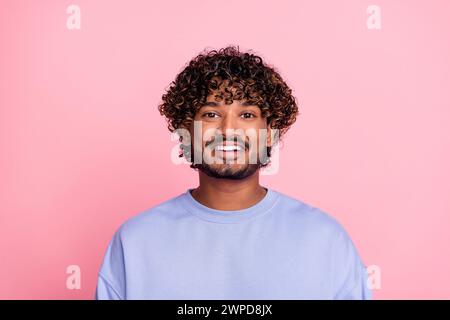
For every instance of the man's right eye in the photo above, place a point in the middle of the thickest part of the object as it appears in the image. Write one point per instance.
(209, 114)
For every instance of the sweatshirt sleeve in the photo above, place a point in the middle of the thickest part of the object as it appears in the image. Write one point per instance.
(105, 290)
(350, 275)
(111, 277)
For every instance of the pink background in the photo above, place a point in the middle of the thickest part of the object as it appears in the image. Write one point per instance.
(83, 147)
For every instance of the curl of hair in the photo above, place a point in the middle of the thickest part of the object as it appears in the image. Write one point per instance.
(228, 75)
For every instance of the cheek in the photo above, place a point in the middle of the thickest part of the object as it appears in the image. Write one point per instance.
(206, 131)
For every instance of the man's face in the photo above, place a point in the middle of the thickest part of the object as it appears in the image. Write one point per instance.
(233, 137)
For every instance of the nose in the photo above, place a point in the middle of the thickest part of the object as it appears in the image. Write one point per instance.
(228, 122)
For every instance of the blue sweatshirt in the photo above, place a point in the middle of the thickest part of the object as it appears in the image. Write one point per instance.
(280, 248)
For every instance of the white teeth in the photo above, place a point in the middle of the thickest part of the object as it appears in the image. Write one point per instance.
(228, 148)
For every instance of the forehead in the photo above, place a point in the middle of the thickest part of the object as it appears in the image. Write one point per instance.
(241, 103)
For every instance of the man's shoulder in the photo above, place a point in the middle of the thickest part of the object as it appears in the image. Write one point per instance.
(308, 215)
(152, 218)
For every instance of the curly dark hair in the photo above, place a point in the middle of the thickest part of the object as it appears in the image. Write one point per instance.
(229, 75)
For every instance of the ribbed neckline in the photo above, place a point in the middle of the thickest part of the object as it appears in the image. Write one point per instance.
(189, 203)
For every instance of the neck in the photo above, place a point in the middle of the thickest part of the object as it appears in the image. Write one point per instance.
(227, 194)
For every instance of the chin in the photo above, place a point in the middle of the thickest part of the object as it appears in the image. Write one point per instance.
(229, 171)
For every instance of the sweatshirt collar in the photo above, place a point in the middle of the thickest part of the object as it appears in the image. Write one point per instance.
(229, 216)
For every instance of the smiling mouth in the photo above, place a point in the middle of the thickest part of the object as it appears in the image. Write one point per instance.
(228, 148)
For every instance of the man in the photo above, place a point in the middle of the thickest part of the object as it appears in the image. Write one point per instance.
(230, 237)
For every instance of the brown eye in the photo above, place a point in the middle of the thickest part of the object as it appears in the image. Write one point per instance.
(248, 115)
(209, 114)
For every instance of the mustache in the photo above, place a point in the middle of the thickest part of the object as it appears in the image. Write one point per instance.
(238, 140)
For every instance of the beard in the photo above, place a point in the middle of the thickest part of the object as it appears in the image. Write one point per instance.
(228, 171)
(232, 171)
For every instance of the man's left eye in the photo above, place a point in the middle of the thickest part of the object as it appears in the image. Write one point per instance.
(248, 115)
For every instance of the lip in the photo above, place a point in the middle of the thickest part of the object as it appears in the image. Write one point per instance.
(229, 155)
(229, 148)
(229, 144)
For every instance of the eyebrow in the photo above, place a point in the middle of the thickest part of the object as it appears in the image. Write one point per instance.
(215, 104)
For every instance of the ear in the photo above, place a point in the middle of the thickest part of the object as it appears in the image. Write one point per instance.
(269, 136)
